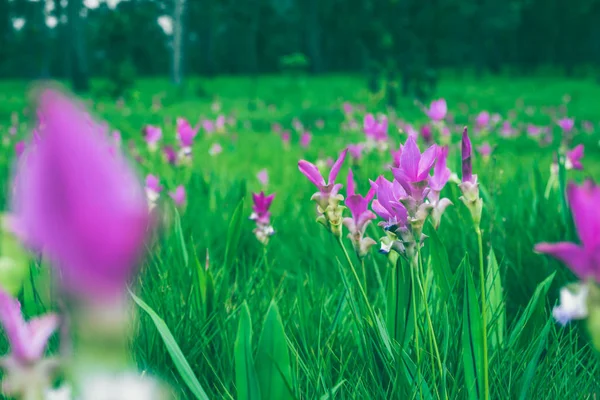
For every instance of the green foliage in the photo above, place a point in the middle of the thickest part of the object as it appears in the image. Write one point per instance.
(246, 379)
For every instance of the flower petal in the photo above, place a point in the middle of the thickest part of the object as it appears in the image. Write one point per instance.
(335, 169)
(426, 162)
(409, 161)
(311, 171)
(584, 201)
(571, 254)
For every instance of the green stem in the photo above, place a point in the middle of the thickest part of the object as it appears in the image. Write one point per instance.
(364, 272)
(417, 348)
(483, 315)
(432, 338)
(360, 286)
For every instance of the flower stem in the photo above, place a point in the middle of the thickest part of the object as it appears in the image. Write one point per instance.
(360, 286)
(415, 320)
(483, 315)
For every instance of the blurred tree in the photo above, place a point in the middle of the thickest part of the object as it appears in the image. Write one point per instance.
(179, 42)
(79, 73)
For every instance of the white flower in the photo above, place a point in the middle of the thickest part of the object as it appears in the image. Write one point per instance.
(573, 304)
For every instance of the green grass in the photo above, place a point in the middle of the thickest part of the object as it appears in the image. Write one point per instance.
(338, 344)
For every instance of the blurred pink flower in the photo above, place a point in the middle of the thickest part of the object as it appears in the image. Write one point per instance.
(484, 149)
(185, 133)
(533, 130)
(82, 206)
(260, 207)
(20, 147)
(286, 137)
(482, 120)
(305, 139)
(152, 134)
(347, 108)
(376, 129)
(427, 134)
(215, 149)
(170, 154)
(437, 110)
(566, 124)
(320, 124)
(178, 195)
(208, 126)
(276, 127)
(356, 151)
(574, 157)
(27, 340)
(263, 177)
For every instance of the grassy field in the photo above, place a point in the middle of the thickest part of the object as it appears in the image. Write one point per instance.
(337, 343)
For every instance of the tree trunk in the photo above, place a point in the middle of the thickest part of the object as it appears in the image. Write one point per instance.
(313, 35)
(178, 42)
(79, 73)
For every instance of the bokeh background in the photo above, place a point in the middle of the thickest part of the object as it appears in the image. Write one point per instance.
(406, 43)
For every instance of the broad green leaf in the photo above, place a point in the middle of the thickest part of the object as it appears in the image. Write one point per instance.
(533, 362)
(273, 365)
(399, 317)
(246, 379)
(472, 339)
(495, 312)
(441, 267)
(183, 367)
(534, 315)
(233, 235)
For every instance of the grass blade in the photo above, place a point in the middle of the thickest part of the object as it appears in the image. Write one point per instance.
(245, 373)
(496, 313)
(472, 339)
(183, 367)
(273, 365)
(233, 235)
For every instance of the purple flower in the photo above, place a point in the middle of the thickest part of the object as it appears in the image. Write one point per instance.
(297, 125)
(82, 206)
(276, 127)
(178, 195)
(482, 120)
(437, 110)
(326, 189)
(263, 177)
(355, 151)
(507, 130)
(208, 126)
(574, 157)
(185, 133)
(533, 130)
(260, 207)
(286, 137)
(414, 168)
(467, 152)
(387, 205)
(566, 124)
(170, 154)
(347, 107)
(376, 129)
(583, 259)
(152, 134)
(305, 139)
(27, 340)
(220, 123)
(215, 149)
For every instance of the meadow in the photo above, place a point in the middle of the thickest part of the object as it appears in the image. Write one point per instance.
(219, 314)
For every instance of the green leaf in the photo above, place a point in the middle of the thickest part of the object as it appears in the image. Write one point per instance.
(533, 362)
(332, 391)
(246, 379)
(534, 315)
(495, 312)
(472, 339)
(183, 367)
(233, 235)
(399, 318)
(273, 365)
(179, 233)
(441, 267)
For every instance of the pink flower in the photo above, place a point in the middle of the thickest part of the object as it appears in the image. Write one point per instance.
(260, 208)
(358, 206)
(305, 139)
(566, 124)
(297, 125)
(356, 151)
(215, 149)
(441, 172)
(185, 133)
(208, 126)
(485, 149)
(82, 206)
(507, 130)
(396, 154)
(20, 147)
(414, 168)
(170, 155)
(467, 152)
(583, 259)
(482, 120)
(376, 129)
(327, 189)
(152, 134)
(178, 195)
(533, 130)
(574, 157)
(276, 127)
(347, 108)
(220, 123)
(263, 177)
(427, 134)
(387, 205)
(286, 138)
(27, 340)
(437, 110)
